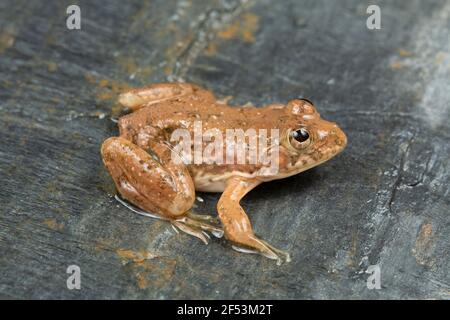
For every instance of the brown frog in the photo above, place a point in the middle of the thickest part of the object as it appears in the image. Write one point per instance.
(146, 173)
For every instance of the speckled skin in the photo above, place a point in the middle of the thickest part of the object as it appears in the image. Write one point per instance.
(144, 173)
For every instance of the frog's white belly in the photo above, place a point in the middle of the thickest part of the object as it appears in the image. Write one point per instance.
(209, 186)
(208, 182)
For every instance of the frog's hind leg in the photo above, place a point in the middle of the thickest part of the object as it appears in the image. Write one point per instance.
(153, 182)
(145, 96)
(156, 184)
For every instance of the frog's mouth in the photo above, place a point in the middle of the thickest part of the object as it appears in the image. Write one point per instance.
(308, 161)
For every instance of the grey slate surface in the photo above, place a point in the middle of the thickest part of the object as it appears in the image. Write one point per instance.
(384, 201)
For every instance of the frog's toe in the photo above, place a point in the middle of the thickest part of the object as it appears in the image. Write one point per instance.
(258, 246)
(204, 218)
(193, 231)
(201, 223)
(198, 226)
(280, 253)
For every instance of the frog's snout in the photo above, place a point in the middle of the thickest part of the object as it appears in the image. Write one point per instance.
(339, 135)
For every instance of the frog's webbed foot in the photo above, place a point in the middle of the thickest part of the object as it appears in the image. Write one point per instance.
(198, 226)
(262, 247)
(205, 218)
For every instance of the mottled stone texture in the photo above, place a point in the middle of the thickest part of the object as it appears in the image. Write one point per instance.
(385, 200)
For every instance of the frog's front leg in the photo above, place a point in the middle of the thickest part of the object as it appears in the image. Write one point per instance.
(155, 183)
(237, 226)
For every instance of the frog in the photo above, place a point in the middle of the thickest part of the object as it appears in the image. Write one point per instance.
(146, 173)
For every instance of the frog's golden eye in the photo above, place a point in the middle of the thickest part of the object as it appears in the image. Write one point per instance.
(300, 138)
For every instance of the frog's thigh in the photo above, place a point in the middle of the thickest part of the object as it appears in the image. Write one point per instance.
(154, 184)
(142, 97)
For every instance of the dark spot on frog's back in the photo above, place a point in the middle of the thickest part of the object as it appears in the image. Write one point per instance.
(179, 174)
(282, 119)
(168, 130)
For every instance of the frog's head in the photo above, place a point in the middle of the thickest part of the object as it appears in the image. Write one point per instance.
(309, 140)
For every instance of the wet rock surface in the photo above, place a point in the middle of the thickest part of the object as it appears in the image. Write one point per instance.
(384, 201)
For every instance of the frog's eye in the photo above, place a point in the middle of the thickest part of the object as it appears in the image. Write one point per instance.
(307, 100)
(300, 135)
(300, 138)
(301, 107)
